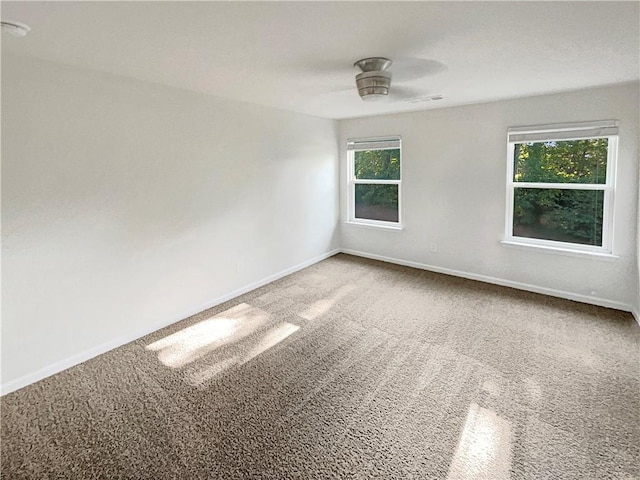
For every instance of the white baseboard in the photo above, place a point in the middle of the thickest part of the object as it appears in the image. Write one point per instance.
(602, 302)
(61, 365)
(636, 314)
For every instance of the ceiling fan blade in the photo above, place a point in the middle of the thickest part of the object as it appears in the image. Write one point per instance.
(327, 90)
(412, 68)
(399, 94)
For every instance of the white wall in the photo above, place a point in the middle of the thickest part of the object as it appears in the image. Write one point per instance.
(636, 306)
(453, 194)
(127, 206)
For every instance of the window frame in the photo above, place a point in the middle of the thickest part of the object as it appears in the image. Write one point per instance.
(361, 144)
(562, 132)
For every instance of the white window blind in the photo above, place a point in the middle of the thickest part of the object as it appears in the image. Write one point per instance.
(574, 131)
(374, 144)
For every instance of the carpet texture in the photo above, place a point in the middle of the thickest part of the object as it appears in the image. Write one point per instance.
(354, 369)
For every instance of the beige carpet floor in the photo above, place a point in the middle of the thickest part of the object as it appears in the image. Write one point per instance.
(352, 369)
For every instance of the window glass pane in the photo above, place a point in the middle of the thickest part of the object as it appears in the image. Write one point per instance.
(562, 215)
(377, 164)
(568, 161)
(377, 202)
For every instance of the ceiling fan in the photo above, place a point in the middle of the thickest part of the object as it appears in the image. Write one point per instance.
(374, 80)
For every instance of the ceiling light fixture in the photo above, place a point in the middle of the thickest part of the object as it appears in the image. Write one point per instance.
(17, 29)
(374, 82)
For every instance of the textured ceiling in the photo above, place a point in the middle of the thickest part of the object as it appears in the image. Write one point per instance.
(299, 55)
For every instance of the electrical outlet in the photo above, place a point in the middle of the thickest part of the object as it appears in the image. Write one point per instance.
(433, 247)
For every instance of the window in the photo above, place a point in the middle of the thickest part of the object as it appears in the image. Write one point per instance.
(560, 186)
(374, 181)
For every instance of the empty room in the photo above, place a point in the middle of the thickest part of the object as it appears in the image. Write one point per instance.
(320, 240)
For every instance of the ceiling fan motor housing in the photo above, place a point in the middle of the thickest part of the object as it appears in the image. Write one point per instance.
(374, 82)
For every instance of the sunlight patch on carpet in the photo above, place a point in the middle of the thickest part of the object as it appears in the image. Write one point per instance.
(263, 341)
(323, 305)
(484, 449)
(534, 390)
(196, 341)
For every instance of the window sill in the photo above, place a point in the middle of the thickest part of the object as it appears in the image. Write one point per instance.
(374, 226)
(559, 251)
